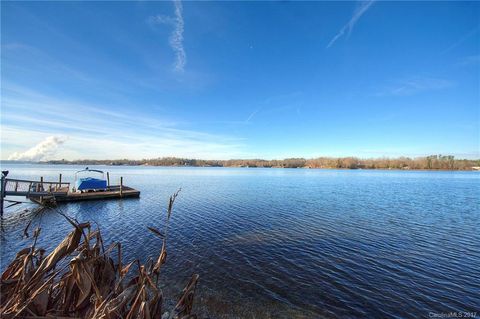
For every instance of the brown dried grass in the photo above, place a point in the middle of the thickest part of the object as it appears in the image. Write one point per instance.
(91, 284)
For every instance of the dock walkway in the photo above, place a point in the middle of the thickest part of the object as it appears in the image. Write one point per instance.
(43, 192)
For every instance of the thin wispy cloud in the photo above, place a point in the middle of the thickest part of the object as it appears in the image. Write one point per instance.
(347, 28)
(94, 132)
(469, 60)
(416, 85)
(176, 37)
(275, 104)
(251, 116)
(176, 40)
(462, 39)
(15, 46)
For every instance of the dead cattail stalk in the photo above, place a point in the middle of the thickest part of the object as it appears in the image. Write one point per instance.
(79, 279)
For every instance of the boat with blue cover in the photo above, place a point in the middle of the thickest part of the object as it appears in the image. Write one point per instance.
(88, 183)
(49, 193)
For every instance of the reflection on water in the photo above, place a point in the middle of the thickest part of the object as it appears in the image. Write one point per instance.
(290, 243)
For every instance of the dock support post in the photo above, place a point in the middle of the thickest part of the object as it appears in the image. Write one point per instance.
(121, 186)
(41, 183)
(60, 181)
(2, 192)
(108, 179)
(41, 188)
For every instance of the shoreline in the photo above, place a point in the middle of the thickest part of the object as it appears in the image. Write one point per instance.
(250, 167)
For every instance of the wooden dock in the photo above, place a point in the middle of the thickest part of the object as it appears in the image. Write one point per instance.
(112, 192)
(46, 193)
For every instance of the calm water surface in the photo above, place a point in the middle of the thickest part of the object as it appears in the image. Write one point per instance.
(290, 243)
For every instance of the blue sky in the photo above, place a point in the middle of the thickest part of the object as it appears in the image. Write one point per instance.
(239, 79)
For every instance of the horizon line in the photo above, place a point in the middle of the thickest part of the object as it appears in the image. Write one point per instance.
(247, 159)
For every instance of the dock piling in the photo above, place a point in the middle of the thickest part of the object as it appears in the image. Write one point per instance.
(60, 181)
(108, 179)
(41, 188)
(2, 191)
(121, 186)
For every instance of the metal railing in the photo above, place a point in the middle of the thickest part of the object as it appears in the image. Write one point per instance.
(25, 187)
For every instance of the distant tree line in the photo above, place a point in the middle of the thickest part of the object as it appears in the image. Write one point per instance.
(438, 162)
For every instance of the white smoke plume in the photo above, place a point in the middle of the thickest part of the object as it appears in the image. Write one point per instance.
(44, 150)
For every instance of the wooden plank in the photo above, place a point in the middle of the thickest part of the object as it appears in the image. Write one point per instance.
(130, 193)
(31, 194)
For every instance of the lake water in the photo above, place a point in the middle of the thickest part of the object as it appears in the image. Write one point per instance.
(290, 243)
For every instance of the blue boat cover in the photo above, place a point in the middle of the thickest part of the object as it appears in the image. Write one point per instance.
(90, 183)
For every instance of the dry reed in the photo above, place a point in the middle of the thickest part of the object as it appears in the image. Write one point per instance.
(90, 284)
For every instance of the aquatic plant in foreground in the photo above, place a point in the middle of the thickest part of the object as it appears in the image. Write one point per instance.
(91, 284)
